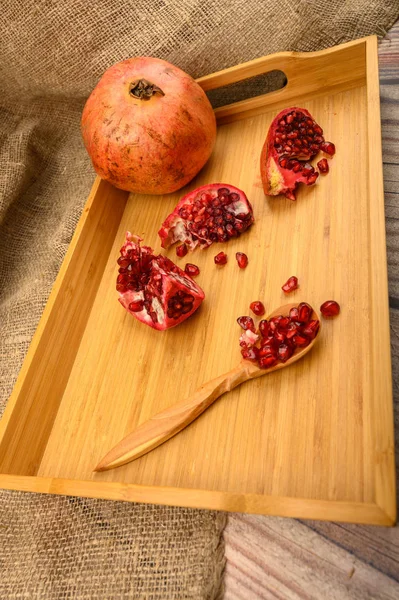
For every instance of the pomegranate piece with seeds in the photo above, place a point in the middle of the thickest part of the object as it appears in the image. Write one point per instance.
(211, 213)
(294, 138)
(323, 165)
(152, 288)
(278, 338)
(242, 260)
(191, 270)
(257, 308)
(220, 259)
(330, 308)
(290, 285)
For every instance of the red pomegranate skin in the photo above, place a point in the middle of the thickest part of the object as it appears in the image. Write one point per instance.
(153, 145)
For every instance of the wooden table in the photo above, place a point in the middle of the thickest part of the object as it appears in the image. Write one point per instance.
(289, 559)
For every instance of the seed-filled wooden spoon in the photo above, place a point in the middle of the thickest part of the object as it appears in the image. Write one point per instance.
(166, 424)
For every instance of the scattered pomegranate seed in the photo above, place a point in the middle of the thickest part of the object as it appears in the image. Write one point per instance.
(330, 308)
(290, 285)
(181, 250)
(246, 323)
(242, 260)
(328, 148)
(323, 165)
(220, 259)
(257, 308)
(191, 270)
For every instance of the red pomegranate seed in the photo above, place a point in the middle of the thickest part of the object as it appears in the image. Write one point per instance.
(264, 327)
(267, 349)
(191, 270)
(328, 148)
(265, 362)
(257, 308)
(274, 322)
(279, 335)
(284, 322)
(136, 306)
(220, 259)
(123, 261)
(181, 250)
(300, 341)
(246, 323)
(242, 259)
(312, 178)
(311, 329)
(291, 330)
(323, 165)
(285, 351)
(304, 312)
(294, 313)
(330, 308)
(250, 353)
(290, 285)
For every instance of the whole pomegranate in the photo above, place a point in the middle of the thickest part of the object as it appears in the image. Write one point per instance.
(148, 126)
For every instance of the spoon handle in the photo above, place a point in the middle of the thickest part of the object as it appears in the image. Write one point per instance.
(170, 421)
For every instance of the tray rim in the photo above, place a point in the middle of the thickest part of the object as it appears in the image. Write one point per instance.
(279, 506)
(383, 511)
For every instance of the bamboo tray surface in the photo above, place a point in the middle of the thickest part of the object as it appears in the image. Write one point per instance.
(314, 440)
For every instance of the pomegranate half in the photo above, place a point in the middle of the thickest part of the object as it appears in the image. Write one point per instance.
(148, 126)
(152, 288)
(293, 139)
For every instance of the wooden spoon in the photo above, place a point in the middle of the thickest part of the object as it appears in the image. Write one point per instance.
(166, 424)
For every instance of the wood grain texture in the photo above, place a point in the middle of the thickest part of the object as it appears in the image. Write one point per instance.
(164, 425)
(306, 444)
(332, 560)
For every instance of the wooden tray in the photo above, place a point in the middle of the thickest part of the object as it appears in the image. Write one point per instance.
(312, 441)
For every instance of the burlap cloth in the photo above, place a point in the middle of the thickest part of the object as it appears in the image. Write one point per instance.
(51, 55)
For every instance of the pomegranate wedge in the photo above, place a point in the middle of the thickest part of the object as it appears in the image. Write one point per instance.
(152, 288)
(211, 213)
(294, 138)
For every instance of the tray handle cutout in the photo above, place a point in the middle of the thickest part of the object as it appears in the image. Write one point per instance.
(308, 74)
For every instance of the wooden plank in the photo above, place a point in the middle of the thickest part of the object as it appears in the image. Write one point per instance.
(272, 558)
